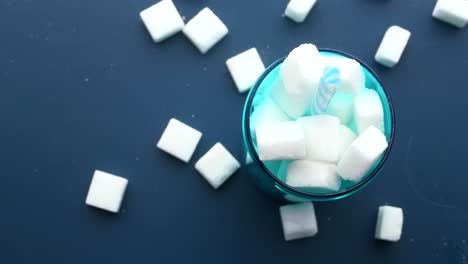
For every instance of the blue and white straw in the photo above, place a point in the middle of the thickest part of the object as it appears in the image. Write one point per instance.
(327, 88)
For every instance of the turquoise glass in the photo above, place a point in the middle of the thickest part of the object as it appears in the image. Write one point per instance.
(270, 176)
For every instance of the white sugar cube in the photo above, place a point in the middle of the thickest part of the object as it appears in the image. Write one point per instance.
(454, 12)
(389, 223)
(352, 78)
(217, 165)
(321, 136)
(301, 70)
(293, 105)
(205, 30)
(345, 139)
(341, 106)
(297, 10)
(313, 174)
(362, 154)
(392, 46)
(368, 111)
(298, 221)
(281, 141)
(265, 113)
(245, 68)
(162, 20)
(106, 191)
(179, 140)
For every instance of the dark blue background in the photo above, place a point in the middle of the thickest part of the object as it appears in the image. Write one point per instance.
(82, 87)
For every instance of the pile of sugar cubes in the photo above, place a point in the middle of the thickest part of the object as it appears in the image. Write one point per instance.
(320, 121)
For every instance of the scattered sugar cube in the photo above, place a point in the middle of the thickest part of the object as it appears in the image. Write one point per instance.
(245, 69)
(352, 78)
(298, 221)
(297, 10)
(293, 105)
(281, 141)
(179, 140)
(368, 111)
(162, 20)
(362, 154)
(392, 46)
(345, 139)
(301, 70)
(265, 113)
(454, 12)
(217, 165)
(313, 174)
(205, 30)
(341, 106)
(389, 223)
(321, 137)
(106, 191)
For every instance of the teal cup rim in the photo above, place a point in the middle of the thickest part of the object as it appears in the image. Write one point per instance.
(280, 184)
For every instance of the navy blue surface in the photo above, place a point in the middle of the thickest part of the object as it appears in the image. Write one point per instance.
(82, 87)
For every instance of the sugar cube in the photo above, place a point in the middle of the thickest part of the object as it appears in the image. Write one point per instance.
(106, 191)
(281, 141)
(298, 221)
(341, 106)
(389, 223)
(345, 139)
(321, 137)
(297, 10)
(454, 12)
(265, 113)
(179, 140)
(392, 46)
(205, 30)
(362, 154)
(313, 174)
(162, 20)
(352, 78)
(245, 68)
(217, 165)
(293, 105)
(301, 70)
(368, 111)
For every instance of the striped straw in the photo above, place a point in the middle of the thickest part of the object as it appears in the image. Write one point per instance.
(327, 88)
